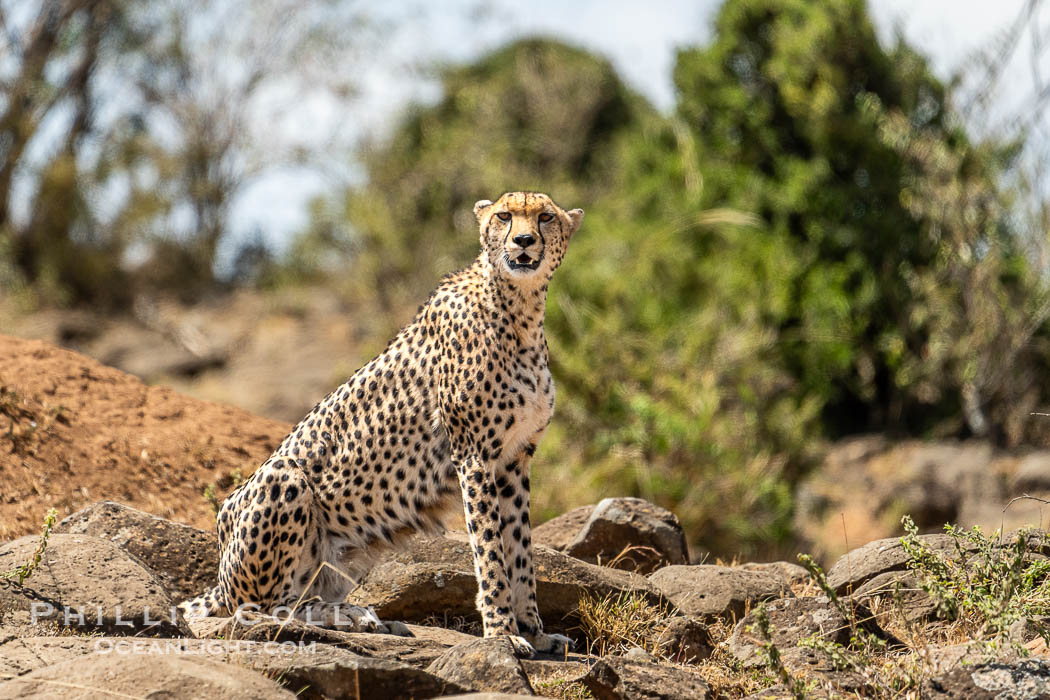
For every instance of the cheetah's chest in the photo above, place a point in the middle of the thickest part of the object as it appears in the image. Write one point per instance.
(531, 389)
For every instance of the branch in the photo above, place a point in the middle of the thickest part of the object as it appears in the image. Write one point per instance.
(1024, 497)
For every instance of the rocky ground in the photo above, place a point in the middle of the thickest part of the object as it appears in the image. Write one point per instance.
(86, 611)
(86, 607)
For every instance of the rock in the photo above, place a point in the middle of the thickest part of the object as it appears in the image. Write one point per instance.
(943, 660)
(78, 574)
(639, 654)
(20, 655)
(325, 671)
(896, 602)
(155, 676)
(861, 565)
(792, 574)
(1037, 542)
(437, 574)
(812, 664)
(864, 485)
(1026, 630)
(185, 559)
(487, 696)
(782, 692)
(484, 665)
(615, 678)
(1032, 474)
(311, 669)
(790, 619)
(559, 532)
(630, 534)
(684, 640)
(708, 591)
(419, 651)
(1021, 680)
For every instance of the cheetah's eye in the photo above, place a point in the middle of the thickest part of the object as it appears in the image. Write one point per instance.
(503, 216)
(545, 217)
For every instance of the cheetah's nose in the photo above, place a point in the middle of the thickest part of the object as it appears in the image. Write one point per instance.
(524, 239)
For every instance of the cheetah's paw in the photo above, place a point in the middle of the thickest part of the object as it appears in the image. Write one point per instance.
(556, 644)
(522, 648)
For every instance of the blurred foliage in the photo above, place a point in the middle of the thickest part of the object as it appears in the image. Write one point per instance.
(810, 245)
(124, 135)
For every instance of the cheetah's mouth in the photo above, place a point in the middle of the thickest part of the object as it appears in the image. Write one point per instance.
(522, 262)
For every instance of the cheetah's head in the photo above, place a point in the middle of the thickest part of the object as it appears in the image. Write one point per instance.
(525, 235)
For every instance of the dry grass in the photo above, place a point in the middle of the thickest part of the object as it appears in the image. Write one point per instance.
(724, 673)
(617, 623)
(564, 689)
(456, 623)
(637, 558)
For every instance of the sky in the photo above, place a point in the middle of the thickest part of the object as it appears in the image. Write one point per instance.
(640, 44)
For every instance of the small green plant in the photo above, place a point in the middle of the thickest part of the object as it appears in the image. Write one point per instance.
(796, 686)
(211, 491)
(24, 571)
(866, 651)
(212, 498)
(981, 583)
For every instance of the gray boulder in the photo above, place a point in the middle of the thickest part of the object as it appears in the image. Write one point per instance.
(420, 650)
(310, 669)
(861, 565)
(558, 533)
(790, 619)
(708, 591)
(630, 534)
(615, 678)
(87, 584)
(684, 640)
(436, 574)
(185, 559)
(1019, 680)
(484, 665)
(895, 602)
(169, 676)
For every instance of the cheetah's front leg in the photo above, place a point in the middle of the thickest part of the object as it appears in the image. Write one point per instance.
(512, 485)
(481, 507)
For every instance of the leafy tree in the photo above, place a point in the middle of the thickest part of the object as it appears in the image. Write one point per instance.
(802, 118)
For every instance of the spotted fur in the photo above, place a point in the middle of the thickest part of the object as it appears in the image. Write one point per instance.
(455, 405)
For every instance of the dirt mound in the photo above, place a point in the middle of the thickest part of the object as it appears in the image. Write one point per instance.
(73, 431)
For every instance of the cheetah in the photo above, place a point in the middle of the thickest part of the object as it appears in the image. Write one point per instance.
(453, 407)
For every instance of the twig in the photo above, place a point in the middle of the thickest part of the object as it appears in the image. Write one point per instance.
(1023, 497)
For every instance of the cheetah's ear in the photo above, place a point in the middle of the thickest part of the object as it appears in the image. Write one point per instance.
(576, 217)
(479, 208)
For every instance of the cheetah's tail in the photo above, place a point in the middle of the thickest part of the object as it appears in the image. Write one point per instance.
(206, 604)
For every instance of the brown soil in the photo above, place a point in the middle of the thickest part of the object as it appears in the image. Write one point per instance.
(73, 431)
